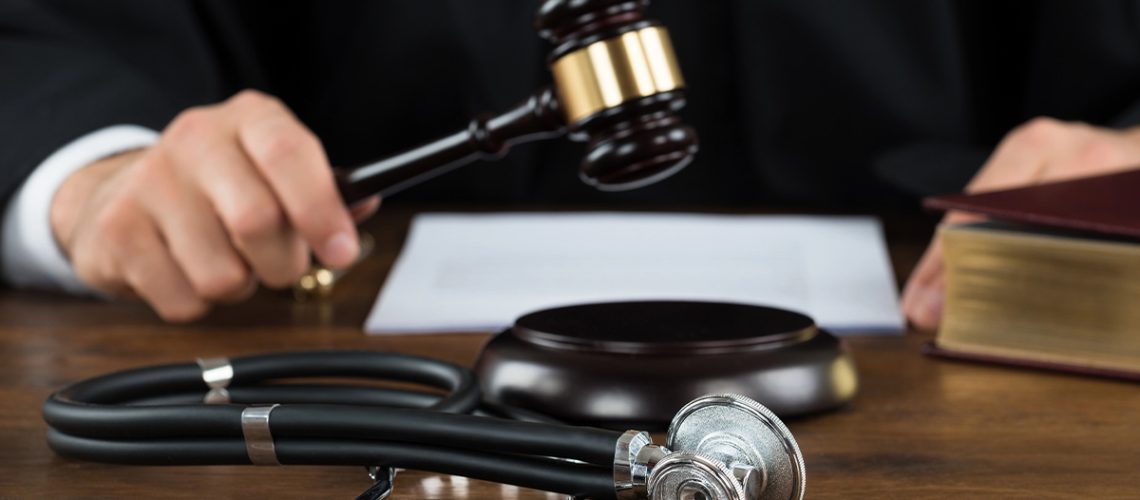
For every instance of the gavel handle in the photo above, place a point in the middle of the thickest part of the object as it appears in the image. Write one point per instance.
(486, 137)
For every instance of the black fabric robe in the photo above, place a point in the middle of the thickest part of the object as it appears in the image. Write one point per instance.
(811, 102)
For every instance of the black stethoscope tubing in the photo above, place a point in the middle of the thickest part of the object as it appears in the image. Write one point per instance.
(147, 416)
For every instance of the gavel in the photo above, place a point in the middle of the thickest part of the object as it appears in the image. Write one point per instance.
(617, 86)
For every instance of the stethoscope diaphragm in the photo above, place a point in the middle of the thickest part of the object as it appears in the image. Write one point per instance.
(728, 436)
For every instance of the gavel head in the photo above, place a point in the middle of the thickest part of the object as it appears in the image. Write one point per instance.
(619, 87)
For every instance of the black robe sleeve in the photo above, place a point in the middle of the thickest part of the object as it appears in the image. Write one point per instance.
(68, 68)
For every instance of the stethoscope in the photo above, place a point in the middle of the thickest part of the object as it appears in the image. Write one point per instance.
(222, 411)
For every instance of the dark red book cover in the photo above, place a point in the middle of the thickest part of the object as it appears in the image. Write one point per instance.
(1108, 204)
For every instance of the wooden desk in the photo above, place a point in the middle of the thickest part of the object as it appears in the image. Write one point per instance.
(920, 428)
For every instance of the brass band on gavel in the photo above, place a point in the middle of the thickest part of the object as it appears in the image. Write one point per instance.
(609, 72)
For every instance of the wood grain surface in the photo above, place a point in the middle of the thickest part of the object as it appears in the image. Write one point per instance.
(919, 428)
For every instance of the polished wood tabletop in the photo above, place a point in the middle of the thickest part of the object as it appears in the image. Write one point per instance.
(919, 427)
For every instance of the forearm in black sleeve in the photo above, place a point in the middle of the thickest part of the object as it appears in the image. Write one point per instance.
(68, 68)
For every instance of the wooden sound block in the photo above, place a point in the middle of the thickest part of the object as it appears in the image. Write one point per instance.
(634, 364)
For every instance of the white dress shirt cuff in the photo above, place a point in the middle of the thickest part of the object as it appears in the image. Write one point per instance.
(30, 256)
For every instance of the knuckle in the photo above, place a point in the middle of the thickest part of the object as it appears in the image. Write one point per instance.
(1044, 124)
(1036, 132)
(150, 174)
(135, 274)
(276, 149)
(253, 99)
(86, 268)
(189, 124)
(115, 222)
(150, 164)
(94, 269)
(223, 280)
(253, 220)
(288, 267)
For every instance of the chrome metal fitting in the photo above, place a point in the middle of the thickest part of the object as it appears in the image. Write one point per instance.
(258, 438)
(724, 447)
(217, 373)
(635, 456)
(625, 459)
(689, 476)
(383, 482)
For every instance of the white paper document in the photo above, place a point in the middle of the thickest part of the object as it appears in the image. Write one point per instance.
(478, 272)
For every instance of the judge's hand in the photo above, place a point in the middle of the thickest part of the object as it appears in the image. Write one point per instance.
(1042, 150)
(231, 195)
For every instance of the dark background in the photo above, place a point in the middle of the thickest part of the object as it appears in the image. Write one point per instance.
(800, 103)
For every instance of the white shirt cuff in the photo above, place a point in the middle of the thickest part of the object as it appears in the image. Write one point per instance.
(30, 256)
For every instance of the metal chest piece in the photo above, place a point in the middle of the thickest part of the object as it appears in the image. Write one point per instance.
(719, 447)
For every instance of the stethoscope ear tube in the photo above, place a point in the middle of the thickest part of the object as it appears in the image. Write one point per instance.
(114, 418)
(129, 385)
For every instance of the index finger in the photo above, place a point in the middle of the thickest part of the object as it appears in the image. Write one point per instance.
(293, 163)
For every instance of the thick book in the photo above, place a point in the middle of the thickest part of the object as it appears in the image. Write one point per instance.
(1051, 281)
